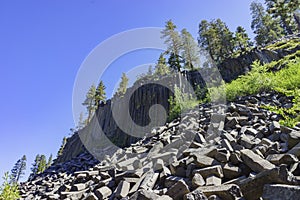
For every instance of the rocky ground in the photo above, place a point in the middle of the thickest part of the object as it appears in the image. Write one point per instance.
(241, 154)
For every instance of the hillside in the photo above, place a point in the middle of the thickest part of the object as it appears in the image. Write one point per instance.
(251, 150)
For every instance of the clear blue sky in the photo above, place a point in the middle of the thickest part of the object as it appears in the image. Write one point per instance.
(43, 44)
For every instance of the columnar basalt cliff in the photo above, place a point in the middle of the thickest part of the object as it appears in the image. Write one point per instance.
(147, 95)
(250, 156)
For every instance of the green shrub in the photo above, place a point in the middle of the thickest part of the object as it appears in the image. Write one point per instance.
(9, 190)
(180, 103)
(261, 78)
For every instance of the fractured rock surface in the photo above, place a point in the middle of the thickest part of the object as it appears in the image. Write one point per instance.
(247, 155)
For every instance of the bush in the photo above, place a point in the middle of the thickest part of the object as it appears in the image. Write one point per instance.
(262, 78)
(180, 103)
(9, 190)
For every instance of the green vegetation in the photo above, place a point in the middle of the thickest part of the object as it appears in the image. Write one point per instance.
(40, 164)
(161, 68)
(94, 97)
(263, 78)
(9, 189)
(123, 85)
(180, 103)
(100, 94)
(174, 44)
(216, 38)
(284, 44)
(266, 28)
(18, 170)
(90, 102)
(283, 11)
(62, 147)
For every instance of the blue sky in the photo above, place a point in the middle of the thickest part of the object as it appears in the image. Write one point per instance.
(43, 44)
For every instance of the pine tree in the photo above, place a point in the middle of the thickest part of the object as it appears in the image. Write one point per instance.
(161, 66)
(264, 26)
(173, 42)
(284, 10)
(90, 102)
(217, 39)
(62, 147)
(100, 95)
(123, 85)
(207, 38)
(49, 161)
(42, 164)
(34, 168)
(190, 52)
(226, 40)
(18, 170)
(242, 40)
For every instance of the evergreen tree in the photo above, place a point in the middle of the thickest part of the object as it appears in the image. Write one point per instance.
(284, 10)
(90, 102)
(18, 170)
(216, 38)
(49, 161)
(62, 147)
(123, 85)
(265, 28)
(42, 164)
(161, 66)
(173, 42)
(34, 168)
(225, 40)
(190, 52)
(207, 38)
(242, 41)
(100, 95)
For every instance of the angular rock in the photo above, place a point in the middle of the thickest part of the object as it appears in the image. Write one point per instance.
(280, 191)
(293, 139)
(122, 189)
(213, 180)
(274, 126)
(197, 180)
(227, 192)
(195, 195)
(278, 159)
(78, 187)
(222, 156)
(295, 150)
(103, 192)
(246, 141)
(231, 172)
(252, 187)
(255, 162)
(144, 195)
(150, 180)
(208, 171)
(178, 190)
(204, 161)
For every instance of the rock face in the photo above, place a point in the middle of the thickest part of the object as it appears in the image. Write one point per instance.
(142, 99)
(262, 164)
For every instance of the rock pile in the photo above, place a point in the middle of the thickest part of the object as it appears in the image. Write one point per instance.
(246, 155)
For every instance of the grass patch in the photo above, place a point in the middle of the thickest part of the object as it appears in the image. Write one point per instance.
(261, 78)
